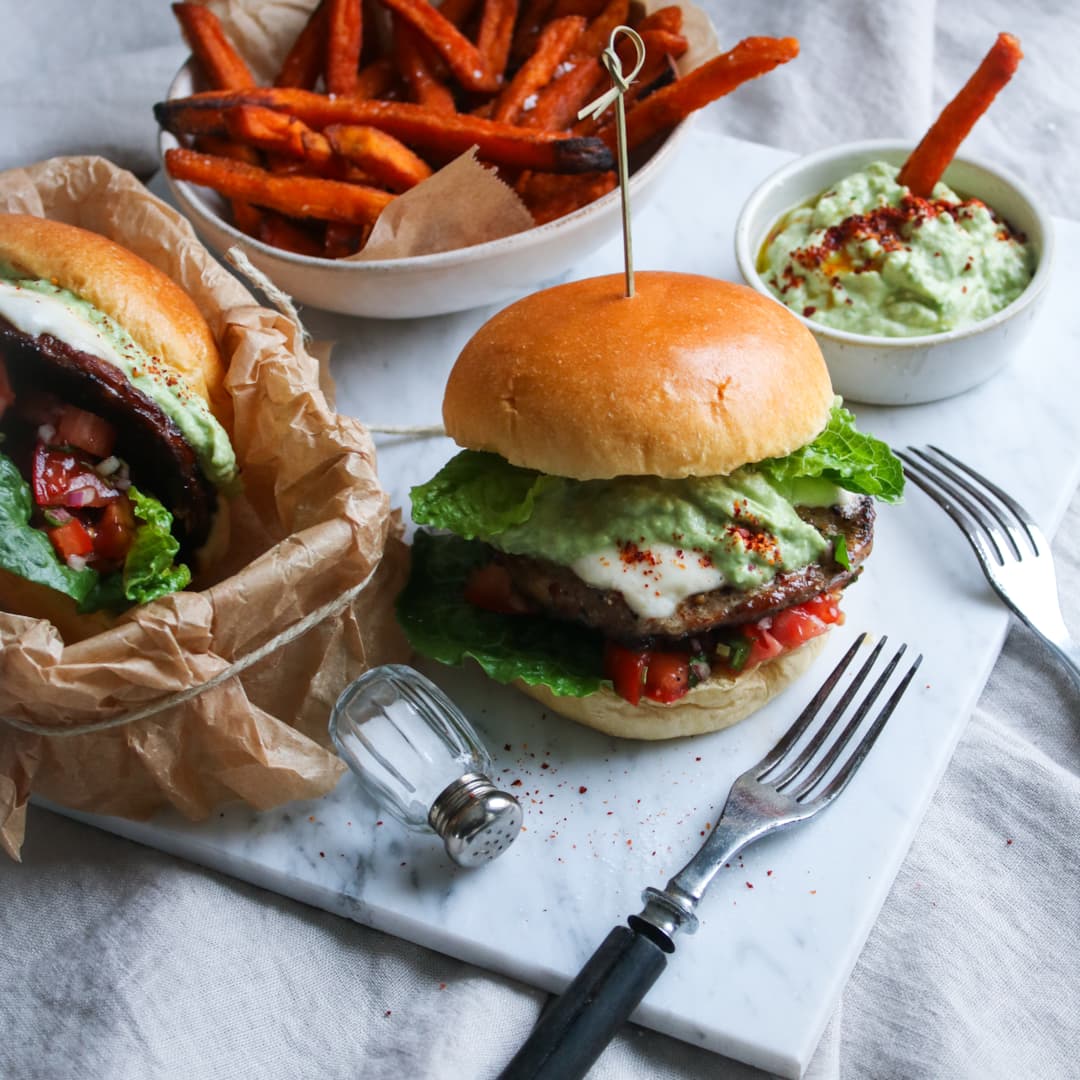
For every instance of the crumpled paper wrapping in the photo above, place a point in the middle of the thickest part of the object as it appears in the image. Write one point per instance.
(312, 523)
(417, 222)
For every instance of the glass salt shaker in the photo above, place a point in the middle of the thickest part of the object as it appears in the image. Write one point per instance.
(421, 759)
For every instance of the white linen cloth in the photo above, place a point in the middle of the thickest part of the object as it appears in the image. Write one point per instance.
(120, 962)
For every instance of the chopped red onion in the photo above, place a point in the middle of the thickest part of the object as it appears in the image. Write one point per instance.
(81, 496)
(76, 562)
(108, 466)
(57, 515)
(47, 433)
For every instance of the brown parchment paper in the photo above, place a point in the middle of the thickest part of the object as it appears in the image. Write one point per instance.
(481, 206)
(312, 523)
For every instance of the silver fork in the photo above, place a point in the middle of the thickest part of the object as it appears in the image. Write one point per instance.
(798, 778)
(1014, 554)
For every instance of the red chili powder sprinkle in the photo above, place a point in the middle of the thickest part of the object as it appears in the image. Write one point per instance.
(516, 783)
(748, 885)
(581, 790)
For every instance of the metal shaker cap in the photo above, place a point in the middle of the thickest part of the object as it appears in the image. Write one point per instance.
(477, 821)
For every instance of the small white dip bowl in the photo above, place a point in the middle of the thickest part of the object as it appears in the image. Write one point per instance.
(904, 370)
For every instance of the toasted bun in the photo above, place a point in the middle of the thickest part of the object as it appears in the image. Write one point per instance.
(711, 706)
(145, 301)
(691, 376)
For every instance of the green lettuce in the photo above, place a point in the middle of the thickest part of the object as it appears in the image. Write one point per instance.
(441, 624)
(844, 456)
(148, 572)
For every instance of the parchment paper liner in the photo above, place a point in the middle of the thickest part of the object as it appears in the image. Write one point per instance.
(312, 523)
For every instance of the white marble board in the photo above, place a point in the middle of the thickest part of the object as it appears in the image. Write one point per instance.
(782, 928)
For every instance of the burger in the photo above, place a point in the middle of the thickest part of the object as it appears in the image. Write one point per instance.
(114, 459)
(659, 503)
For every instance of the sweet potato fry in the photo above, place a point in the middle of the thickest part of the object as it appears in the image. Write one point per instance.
(929, 160)
(342, 240)
(665, 18)
(500, 144)
(245, 216)
(531, 21)
(752, 57)
(461, 56)
(376, 80)
(456, 11)
(281, 232)
(495, 35)
(415, 70)
(389, 161)
(598, 34)
(550, 195)
(657, 72)
(554, 43)
(344, 40)
(303, 63)
(276, 131)
(587, 8)
(558, 104)
(294, 196)
(220, 62)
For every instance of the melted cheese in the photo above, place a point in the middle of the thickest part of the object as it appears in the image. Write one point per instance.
(653, 581)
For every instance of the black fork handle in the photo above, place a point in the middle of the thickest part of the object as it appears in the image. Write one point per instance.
(574, 1029)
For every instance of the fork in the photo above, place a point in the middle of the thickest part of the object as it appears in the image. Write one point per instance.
(791, 783)
(1014, 554)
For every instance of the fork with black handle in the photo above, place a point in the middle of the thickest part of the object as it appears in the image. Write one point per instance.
(1013, 551)
(797, 778)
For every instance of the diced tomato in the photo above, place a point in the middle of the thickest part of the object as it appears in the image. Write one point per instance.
(7, 395)
(60, 478)
(763, 646)
(826, 607)
(489, 587)
(626, 669)
(71, 538)
(85, 431)
(115, 531)
(667, 676)
(795, 626)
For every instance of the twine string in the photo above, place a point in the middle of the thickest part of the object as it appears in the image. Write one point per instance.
(278, 641)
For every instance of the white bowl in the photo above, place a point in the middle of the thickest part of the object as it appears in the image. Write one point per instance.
(905, 371)
(487, 273)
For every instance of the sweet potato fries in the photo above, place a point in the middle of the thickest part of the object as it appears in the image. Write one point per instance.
(309, 163)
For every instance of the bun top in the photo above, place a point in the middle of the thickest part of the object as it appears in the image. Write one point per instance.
(145, 301)
(691, 376)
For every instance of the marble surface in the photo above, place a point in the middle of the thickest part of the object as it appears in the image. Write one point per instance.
(782, 927)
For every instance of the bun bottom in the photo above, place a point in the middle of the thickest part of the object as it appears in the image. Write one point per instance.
(21, 597)
(711, 706)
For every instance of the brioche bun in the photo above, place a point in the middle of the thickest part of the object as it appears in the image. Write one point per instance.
(145, 301)
(712, 705)
(691, 376)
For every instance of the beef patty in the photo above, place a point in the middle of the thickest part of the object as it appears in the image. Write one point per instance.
(558, 591)
(162, 461)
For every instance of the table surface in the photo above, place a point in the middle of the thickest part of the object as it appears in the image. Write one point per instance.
(141, 965)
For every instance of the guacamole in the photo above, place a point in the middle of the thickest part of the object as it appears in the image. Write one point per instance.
(39, 307)
(869, 257)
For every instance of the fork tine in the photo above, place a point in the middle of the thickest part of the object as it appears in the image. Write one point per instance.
(826, 729)
(845, 736)
(1004, 496)
(956, 506)
(802, 721)
(1017, 529)
(840, 781)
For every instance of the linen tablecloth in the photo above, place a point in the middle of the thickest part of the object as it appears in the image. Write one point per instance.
(117, 961)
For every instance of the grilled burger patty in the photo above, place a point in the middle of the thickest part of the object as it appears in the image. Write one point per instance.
(161, 458)
(559, 592)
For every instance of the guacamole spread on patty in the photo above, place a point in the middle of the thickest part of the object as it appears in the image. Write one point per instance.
(869, 257)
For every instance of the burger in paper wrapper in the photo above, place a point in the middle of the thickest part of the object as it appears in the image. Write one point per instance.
(310, 524)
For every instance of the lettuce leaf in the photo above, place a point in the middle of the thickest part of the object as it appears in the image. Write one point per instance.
(844, 456)
(478, 494)
(27, 552)
(441, 624)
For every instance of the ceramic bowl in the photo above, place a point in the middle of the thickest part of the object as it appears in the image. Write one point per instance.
(487, 273)
(905, 371)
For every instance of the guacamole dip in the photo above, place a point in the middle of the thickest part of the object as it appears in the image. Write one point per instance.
(869, 257)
